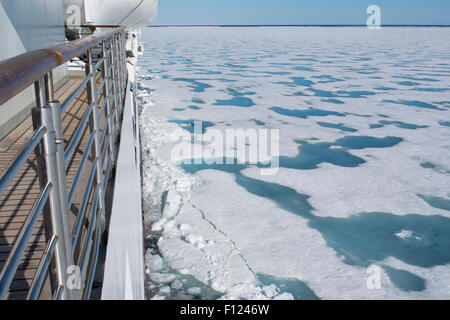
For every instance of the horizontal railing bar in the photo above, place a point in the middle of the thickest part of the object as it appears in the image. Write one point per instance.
(41, 272)
(90, 232)
(94, 263)
(84, 203)
(18, 73)
(108, 170)
(83, 162)
(11, 265)
(116, 127)
(100, 115)
(106, 153)
(74, 94)
(105, 129)
(15, 165)
(110, 89)
(79, 133)
(99, 63)
(100, 88)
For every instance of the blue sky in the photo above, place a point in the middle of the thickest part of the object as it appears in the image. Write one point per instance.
(226, 12)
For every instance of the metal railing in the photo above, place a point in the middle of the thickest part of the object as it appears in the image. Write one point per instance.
(68, 244)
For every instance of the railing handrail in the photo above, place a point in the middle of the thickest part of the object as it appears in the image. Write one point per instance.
(19, 72)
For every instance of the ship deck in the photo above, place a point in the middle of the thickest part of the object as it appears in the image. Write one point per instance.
(16, 203)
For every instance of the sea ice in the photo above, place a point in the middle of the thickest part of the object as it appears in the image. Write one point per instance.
(365, 171)
(154, 262)
(162, 278)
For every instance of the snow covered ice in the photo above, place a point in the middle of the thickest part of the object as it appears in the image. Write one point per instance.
(364, 176)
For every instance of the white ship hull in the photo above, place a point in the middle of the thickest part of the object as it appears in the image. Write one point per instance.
(130, 13)
(25, 26)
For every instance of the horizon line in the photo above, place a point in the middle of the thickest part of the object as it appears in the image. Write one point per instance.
(294, 25)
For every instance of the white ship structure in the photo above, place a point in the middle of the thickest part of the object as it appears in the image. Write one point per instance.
(70, 188)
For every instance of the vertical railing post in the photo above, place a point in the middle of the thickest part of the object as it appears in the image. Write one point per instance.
(54, 105)
(122, 68)
(112, 56)
(59, 219)
(120, 65)
(114, 69)
(65, 234)
(93, 99)
(39, 151)
(121, 71)
(123, 60)
(36, 116)
(124, 54)
(37, 121)
(63, 192)
(118, 73)
(106, 92)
